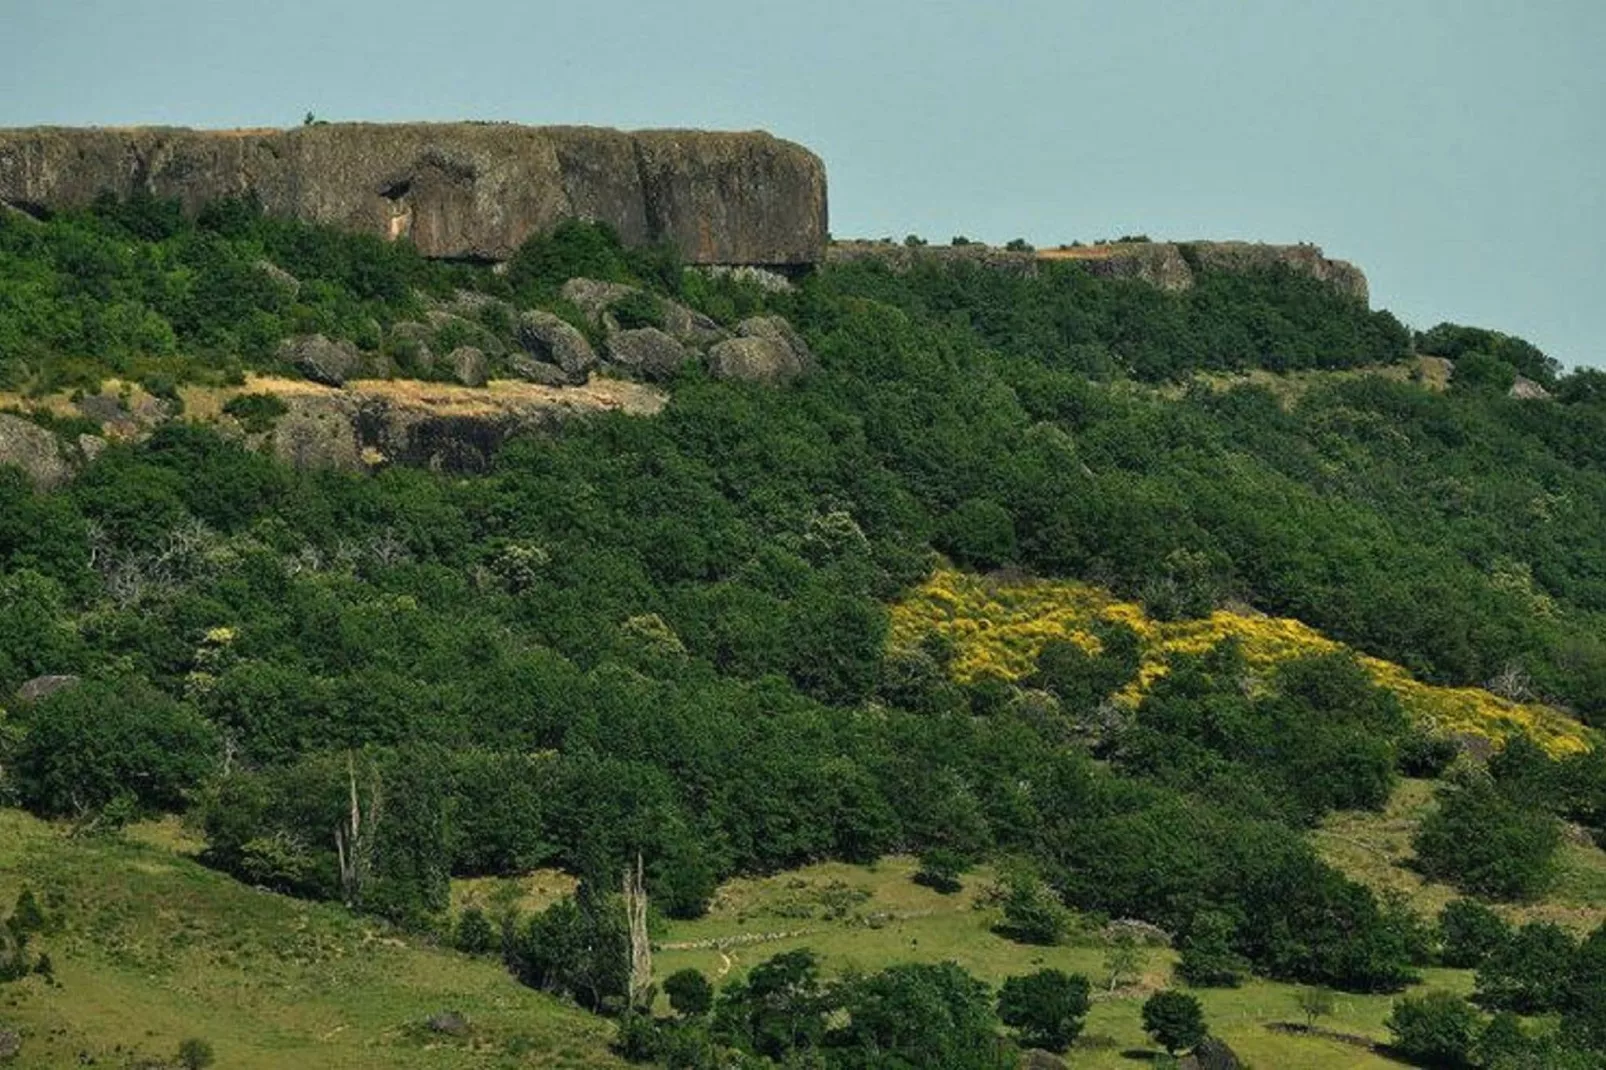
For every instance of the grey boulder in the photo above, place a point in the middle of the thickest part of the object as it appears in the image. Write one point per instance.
(592, 297)
(322, 360)
(550, 339)
(767, 350)
(42, 686)
(537, 371)
(646, 351)
(34, 450)
(469, 365)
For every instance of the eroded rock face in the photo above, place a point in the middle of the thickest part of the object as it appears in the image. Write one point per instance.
(458, 190)
(34, 450)
(1167, 265)
(439, 426)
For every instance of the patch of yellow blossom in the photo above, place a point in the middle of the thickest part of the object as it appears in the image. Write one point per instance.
(999, 625)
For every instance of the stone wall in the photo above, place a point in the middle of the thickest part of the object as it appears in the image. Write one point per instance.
(458, 190)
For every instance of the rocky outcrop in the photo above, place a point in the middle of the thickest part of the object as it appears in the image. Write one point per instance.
(34, 450)
(1302, 259)
(457, 190)
(444, 427)
(1159, 264)
(1169, 265)
(44, 686)
(1526, 389)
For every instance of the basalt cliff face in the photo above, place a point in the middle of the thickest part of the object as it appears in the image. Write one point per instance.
(1168, 265)
(458, 190)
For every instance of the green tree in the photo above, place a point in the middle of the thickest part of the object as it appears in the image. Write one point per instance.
(579, 945)
(1469, 933)
(1046, 1007)
(474, 933)
(1174, 1020)
(779, 1009)
(1584, 1001)
(917, 1014)
(689, 992)
(1208, 959)
(1528, 973)
(979, 533)
(1033, 914)
(87, 745)
(1485, 844)
(940, 869)
(1434, 1029)
(1315, 1002)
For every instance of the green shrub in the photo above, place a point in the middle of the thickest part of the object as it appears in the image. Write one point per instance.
(256, 412)
(638, 308)
(1174, 1019)
(1434, 1029)
(196, 1054)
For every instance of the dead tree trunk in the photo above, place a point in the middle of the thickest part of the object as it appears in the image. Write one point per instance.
(641, 991)
(354, 840)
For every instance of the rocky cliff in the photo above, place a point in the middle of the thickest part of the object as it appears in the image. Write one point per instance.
(458, 190)
(1168, 265)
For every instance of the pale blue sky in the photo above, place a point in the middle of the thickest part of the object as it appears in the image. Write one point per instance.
(1455, 149)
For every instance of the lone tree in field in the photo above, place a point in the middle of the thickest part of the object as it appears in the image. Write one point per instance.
(1175, 1021)
(1047, 1007)
(1314, 1002)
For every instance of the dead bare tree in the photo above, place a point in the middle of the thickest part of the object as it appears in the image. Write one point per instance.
(1512, 682)
(354, 840)
(641, 991)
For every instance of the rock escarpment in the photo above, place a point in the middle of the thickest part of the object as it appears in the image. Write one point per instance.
(1168, 265)
(458, 190)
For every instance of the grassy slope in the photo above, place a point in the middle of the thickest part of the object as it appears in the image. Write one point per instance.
(901, 921)
(157, 948)
(1375, 848)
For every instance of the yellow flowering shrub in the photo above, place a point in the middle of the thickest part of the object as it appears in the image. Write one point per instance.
(998, 626)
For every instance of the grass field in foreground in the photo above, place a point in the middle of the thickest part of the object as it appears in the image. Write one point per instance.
(156, 948)
(866, 917)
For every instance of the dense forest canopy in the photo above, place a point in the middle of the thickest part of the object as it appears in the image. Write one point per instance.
(667, 635)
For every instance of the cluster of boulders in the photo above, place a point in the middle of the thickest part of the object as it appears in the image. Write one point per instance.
(658, 343)
(642, 336)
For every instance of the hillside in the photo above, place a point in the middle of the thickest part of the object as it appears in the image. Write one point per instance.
(400, 580)
(154, 949)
